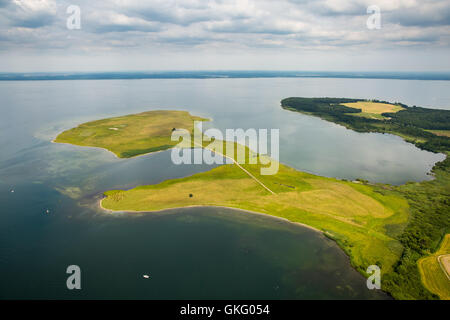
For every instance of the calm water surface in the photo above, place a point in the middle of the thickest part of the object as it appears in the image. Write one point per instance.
(189, 253)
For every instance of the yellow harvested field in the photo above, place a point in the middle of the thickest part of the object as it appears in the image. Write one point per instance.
(339, 199)
(435, 269)
(373, 107)
(442, 133)
(445, 263)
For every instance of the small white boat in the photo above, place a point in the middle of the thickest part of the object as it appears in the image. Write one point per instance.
(146, 276)
(47, 211)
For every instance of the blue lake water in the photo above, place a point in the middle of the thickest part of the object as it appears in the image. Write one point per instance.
(189, 253)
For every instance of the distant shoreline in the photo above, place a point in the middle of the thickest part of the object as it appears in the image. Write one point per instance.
(221, 74)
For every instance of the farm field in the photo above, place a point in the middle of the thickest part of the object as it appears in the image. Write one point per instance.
(435, 268)
(442, 133)
(372, 110)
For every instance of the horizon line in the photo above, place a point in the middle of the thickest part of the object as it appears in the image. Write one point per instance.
(219, 74)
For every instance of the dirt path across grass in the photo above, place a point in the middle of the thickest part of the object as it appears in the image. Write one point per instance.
(236, 163)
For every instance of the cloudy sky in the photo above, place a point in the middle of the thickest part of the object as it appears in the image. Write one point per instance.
(224, 34)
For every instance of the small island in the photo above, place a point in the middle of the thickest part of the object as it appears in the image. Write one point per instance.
(131, 135)
(375, 224)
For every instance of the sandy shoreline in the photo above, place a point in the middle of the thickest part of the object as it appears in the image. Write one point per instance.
(211, 206)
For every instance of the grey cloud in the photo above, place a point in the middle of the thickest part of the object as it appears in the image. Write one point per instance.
(251, 27)
(355, 9)
(108, 27)
(34, 21)
(186, 41)
(185, 13)
(439, 16)
(28, 14)
(168, 12)
(165, 16)
(4, 3)
(123, 28)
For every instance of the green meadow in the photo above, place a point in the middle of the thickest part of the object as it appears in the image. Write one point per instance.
(131, 135)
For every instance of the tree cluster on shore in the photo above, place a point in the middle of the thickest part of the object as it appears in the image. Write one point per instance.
(429, 201)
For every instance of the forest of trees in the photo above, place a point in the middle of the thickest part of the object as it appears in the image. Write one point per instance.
(412, 121)
(422, 117)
